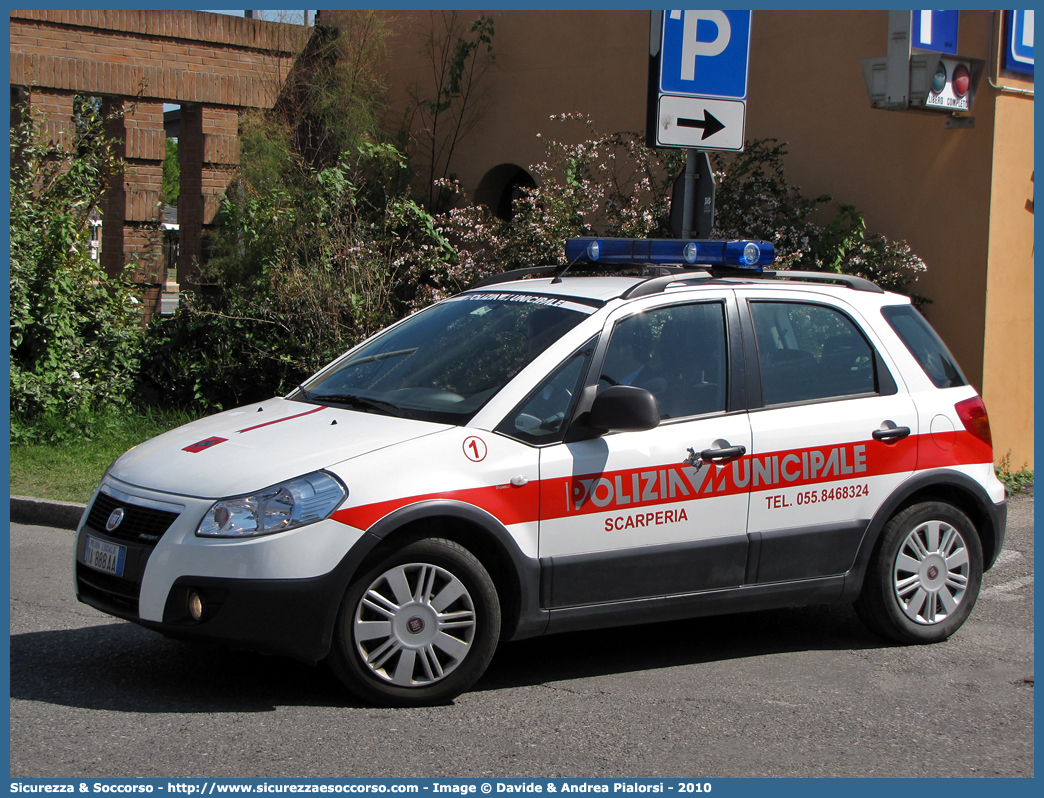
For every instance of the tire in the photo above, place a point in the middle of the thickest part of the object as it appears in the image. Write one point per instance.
(924, 576)
(419, 628)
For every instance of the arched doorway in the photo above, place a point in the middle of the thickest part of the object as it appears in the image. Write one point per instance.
(501, 186)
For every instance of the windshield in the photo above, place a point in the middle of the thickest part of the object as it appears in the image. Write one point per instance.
(445, 363)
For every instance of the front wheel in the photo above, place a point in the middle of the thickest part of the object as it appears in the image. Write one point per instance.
(924, 577)
(419, 628)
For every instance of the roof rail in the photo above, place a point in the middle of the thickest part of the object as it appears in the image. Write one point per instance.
(656, 285)
(850, 280)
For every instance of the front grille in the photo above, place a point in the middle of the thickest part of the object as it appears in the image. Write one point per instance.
(140, 524)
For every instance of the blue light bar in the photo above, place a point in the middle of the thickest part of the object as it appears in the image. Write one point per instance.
(741, 254)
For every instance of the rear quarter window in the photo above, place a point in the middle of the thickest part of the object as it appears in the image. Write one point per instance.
(925, 345)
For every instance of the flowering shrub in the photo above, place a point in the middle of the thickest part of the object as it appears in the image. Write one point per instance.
(614, 185)
(604, 185)
(309, 267)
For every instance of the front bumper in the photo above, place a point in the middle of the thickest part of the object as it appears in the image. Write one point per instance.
(294, 617)
(275, 593)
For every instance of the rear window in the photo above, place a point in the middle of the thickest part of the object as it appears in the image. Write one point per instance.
(925, 345)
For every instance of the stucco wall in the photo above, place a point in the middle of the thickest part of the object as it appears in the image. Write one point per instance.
(1008, 360)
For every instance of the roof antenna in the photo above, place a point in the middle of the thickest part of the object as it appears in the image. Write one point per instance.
(560, 274)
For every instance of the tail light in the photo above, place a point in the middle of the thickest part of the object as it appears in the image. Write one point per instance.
(972, 413)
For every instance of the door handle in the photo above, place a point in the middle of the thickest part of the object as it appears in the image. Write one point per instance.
(890, 434)
(722, 455)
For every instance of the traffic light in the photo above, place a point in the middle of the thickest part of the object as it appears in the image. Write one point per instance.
(943, 83)
(911, 79)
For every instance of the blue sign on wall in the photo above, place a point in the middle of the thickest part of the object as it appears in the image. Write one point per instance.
(705, 53)
(935, 31)
(1018, 54)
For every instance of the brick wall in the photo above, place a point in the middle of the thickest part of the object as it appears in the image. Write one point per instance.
(177, 56)
(212, 65)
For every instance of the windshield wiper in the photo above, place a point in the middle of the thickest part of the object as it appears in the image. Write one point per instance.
(379, 356)
(360, 402)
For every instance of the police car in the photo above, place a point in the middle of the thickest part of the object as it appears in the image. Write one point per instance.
(549, 452)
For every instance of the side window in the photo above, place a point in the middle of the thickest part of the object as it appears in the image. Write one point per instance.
(925, 346)
(808, 352)
(541, 416)
(678, 353)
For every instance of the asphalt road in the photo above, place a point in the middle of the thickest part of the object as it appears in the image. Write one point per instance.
(801, 692)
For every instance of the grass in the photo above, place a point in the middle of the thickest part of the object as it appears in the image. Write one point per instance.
(70, 470)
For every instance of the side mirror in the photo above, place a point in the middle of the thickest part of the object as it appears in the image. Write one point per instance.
(623, 408)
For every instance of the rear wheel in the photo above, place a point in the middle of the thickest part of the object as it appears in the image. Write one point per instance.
(419, 628)
(924, 577)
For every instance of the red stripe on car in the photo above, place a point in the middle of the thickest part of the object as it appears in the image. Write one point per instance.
(675, 482)
(280, 420)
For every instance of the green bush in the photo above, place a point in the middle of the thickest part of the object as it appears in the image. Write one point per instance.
(1014, 481)
(217, 355)
(297, 281)
(75, 332)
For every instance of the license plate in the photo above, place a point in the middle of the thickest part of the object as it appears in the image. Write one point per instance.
(106, 557)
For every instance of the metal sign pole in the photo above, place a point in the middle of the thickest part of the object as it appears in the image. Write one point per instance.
(689, 201)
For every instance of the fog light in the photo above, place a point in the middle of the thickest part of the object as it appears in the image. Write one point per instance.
(195, 605)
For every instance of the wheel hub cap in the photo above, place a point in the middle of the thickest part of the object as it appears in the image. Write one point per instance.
(931, 572)
(414, 625)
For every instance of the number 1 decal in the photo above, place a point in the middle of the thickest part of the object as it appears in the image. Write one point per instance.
(475, 449)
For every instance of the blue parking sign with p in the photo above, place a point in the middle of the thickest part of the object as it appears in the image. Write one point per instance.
(935, 31)
(1018, 54)
(705, 53)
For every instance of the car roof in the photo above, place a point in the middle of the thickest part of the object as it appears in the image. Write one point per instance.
(602, 289)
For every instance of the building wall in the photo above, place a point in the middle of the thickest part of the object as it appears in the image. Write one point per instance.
(543, 67)
(1008, 357)
(910, 177)
(957, 196)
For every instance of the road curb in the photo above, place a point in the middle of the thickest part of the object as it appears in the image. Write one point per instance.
(46, 512)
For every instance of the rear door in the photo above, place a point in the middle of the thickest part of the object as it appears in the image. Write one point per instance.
(834, 436)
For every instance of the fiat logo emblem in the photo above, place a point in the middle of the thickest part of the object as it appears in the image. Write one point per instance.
(415, 625)
(115, 519)
(933, 572)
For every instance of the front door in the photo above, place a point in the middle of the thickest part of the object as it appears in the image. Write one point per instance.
(633, 515)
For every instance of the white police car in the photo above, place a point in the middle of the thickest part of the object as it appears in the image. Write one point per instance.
(565, 452)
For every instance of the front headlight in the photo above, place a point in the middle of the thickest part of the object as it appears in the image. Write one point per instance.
(301, 501)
